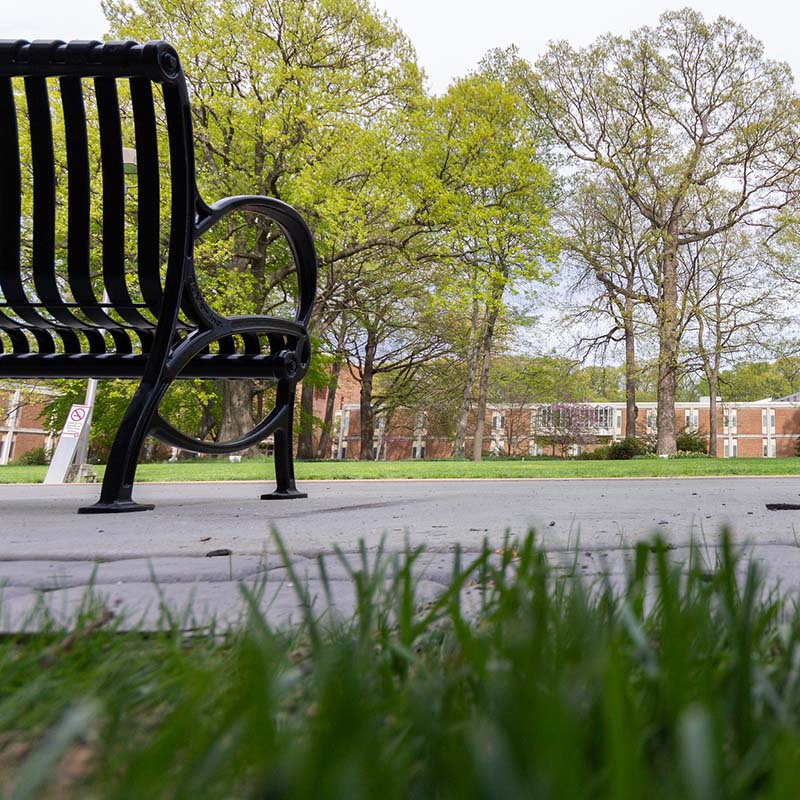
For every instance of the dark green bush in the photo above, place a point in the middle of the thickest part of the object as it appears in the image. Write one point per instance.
(36, 457)
(626, 449)
(690, 441)
(598, 454)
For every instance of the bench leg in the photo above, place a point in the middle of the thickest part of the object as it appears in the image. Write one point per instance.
(284, 461)
(116, 493)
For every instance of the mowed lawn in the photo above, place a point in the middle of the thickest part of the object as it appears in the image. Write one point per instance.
(551, 687)
(261, 468)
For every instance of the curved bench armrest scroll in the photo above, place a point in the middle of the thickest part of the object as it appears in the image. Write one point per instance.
(294, 228)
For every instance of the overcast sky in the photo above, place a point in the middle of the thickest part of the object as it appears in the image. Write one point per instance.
(451, 35)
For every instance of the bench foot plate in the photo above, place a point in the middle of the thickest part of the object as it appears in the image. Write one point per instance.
(291, 494)
(117, 507)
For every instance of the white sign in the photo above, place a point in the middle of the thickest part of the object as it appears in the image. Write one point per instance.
(74, 428)
(76, 419)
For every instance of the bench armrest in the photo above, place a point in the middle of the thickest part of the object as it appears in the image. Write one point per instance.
(294, 228)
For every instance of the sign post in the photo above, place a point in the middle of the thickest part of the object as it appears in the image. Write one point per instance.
(76, 430)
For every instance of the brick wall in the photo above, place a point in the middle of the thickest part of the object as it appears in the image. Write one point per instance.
(21, 423)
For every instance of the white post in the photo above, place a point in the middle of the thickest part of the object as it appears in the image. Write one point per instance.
(13, 415)
(82, 452)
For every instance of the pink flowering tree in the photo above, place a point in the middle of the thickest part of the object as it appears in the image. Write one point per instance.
(560, 426)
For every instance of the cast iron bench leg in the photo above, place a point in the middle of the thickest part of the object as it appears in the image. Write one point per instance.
(284, 463)
(116, 494)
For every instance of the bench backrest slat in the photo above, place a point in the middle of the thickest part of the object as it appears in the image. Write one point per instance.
(44, 211)
(78, 210)
(148, 189)
(114, 207)
(10, 214)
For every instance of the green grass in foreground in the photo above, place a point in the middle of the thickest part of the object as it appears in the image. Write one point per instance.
(556, 691)
(261, 469)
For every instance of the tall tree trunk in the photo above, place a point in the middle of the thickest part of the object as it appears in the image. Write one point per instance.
(473, 354)
(305, 430)
(305, 435)
(483, 386)
(367, 414)
(712, 413)
(668, 343)
(630, 371)
(237, 411)
(323, 448)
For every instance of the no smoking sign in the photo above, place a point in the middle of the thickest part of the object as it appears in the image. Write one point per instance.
(76, 419)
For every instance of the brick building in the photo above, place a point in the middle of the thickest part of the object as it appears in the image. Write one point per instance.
(21, 424)
(763, 429)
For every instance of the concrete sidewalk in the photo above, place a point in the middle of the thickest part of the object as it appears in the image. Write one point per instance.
(140, 564)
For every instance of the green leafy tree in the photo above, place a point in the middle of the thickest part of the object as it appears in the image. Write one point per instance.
(290, 99)
(755, 380)
(608, 247)
(675, 115)
(495, 229)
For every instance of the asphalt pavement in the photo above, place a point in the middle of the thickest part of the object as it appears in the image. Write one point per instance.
(207, 545)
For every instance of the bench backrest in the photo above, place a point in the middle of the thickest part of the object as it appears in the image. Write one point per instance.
(61, 300)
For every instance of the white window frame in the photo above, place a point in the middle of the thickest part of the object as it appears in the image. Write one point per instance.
(605, 418)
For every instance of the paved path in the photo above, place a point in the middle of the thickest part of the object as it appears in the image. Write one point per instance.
(142, 563)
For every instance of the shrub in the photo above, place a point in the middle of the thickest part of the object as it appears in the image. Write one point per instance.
(626, 449)
(36, 457)
(598, 454)
(690, 441)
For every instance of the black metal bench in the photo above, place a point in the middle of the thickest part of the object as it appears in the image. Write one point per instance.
(152, 324)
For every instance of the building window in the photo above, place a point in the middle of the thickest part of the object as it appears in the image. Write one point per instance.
(726, 449)
(343, 453)
(619, 420)
(651, 419)
(764, 422)
(692, 418)
(498, 421)
(605, 416)
(772, 420)
(765, 448)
